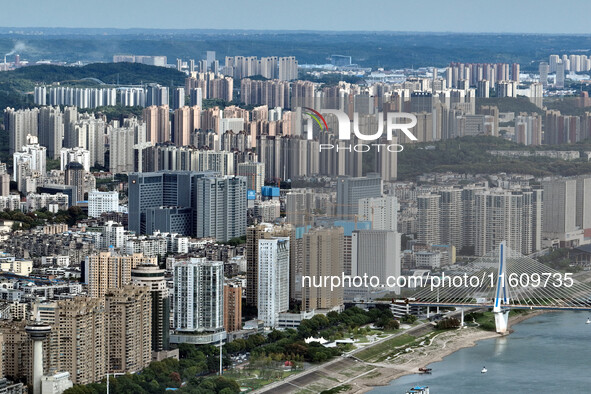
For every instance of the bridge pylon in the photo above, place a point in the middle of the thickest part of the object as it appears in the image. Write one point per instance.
(501, 312)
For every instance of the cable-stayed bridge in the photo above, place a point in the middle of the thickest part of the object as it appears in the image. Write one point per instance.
(505, 279)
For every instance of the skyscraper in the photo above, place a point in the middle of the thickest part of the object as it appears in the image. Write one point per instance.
(108, 270)
(382, 212)
(198, 299)
(19, 123)
(428, 227)
(220, 207)
(128, 326)
(156, 189)
(186, 120)
(511, 216)
(323, 256)
(75, 177)
(560, 72)
(273, 281)
(375, 253)
(232, 307)
(253, 235)
(157, 120)
(351, 190)
(78, 339)
(254, 174)
(51, 130)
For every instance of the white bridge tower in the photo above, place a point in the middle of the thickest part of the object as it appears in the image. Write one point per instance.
(501, 298)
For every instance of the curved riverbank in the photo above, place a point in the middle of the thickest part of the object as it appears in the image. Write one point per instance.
(441, 346)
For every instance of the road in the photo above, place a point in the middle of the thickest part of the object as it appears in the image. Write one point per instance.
(300, 380)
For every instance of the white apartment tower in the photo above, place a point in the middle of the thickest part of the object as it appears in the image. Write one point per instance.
(382, 212)
(273, 281)
(198, 295)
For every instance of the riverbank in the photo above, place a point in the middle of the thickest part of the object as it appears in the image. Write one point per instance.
(442, 345)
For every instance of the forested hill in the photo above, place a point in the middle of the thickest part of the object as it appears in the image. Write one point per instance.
(110, 73)
(469, 155)
(14, 85)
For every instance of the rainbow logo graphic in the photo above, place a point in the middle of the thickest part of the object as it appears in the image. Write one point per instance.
(317, 117)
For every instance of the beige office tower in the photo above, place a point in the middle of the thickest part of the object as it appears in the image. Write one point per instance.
(77, 339)
(323, 257)
(186, 121)
(128, 313)
(157, 123)
(428, 219)
(253, 235)
(108, 270)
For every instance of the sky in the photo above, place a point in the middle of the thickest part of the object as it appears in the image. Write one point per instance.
(469, 16)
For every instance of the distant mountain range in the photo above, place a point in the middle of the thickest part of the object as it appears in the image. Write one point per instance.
(368, 49)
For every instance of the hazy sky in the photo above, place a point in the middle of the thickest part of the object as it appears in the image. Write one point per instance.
(527, 16)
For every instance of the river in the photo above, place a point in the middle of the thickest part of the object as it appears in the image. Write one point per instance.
(548, 353)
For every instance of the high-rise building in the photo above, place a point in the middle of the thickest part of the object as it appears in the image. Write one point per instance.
(288, 68)
(20, 123)
(178, 98)
(450, 217)
(375, 253)
(512, 216)
(40, 95)
(428, 225)
(254, 174)
(75, 177)
(232, 306)
(323, 257)
(108, 270)
(51, 130)
(128, 326)
(79, 155)
(210, 58)
(157, 189)
(152, 277)
(196, 97)
(382, 212)
(186, 120)
(29, 160)
(253, 235)
(560, 72)
(89, 134)
(220, 207)
(198, 300)
(157, 95)
(351, 190)
(515, 72)
(273, 281)
(157, 120)
(78, 339)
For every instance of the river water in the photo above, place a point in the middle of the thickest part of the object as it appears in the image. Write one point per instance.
(549, 353)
